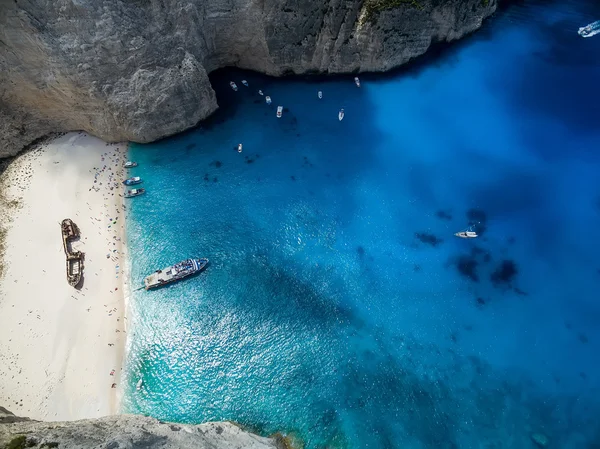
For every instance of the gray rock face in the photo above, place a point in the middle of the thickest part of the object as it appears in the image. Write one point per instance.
(138, 69)
(127, 432)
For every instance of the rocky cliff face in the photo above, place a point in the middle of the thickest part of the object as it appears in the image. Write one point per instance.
(127, 432)
(138, 69)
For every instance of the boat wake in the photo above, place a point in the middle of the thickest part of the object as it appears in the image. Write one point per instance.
(590, 30)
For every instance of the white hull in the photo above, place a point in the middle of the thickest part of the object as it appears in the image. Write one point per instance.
(320, 95)
(279, 111)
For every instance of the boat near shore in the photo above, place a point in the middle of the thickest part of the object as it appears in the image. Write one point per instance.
(133, 181)
(175, 273)
(130, 164)
(134, 192)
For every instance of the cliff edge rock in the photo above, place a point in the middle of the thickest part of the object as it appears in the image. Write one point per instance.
(126, 432)
(138, 69)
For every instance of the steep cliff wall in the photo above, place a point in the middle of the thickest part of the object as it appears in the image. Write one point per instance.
(126, 432)
(138, 69)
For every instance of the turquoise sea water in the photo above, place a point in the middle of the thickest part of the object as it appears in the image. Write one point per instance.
(338, 305)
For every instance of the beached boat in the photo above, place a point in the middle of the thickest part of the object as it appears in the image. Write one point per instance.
(130, 164)
(134, 192)
(239, 148)
(356, 81)
(175, 273)
(233, 85)
(70, 232)
(279, 111)
(320, 94)
(590, 30)
(260, 92)
(133, 181)
(245, 83)
(268, 99)
(341, 115)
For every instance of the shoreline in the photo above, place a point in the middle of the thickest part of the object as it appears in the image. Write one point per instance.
(62, 348)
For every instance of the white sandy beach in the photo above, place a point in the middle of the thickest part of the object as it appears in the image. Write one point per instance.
(59, 345)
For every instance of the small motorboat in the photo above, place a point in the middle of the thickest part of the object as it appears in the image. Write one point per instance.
(245, 83)
(268, 99)
(341, 114)
(279, 111)
(133, 181)
(233, 85)
(467, 234)
(134, 192)
(239, 148)
(356, 81)
(320, 94)
(590, 30)
(260, 92)
(130, 164)
(139, 385)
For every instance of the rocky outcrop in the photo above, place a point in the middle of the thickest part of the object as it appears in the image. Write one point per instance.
(138, 69)
(127, 432)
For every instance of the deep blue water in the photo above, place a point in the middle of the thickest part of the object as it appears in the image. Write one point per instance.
(338, 306)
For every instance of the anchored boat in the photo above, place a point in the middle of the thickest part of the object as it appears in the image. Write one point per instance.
(239, 148)
(233, 85)
(268, 99)
(245, 83)
(260, 92)
(356, 81)
(134, 192)
(133, 181)
(175, 273)
(341, 114)
(279, 111)
(320, 94)
(130, 164)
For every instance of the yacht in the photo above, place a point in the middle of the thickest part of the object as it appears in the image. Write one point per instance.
(341, 115)
(466, 234)
(233, 85)
(279, 111)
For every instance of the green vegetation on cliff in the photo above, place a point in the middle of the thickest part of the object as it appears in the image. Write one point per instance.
(373, 7)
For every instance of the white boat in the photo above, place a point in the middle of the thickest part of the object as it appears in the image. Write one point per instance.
(245, 83)
(320, 94)
(356, 81)
(233, 85)
(268, 99)
(590, 30)
(239, 148)
(341, 114)
(466, 234)
(279, 111)
(260, 92)
(130, 164)
(134, 192)
(139, 384)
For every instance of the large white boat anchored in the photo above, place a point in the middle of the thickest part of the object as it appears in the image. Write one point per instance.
(590, 30)
(279, 111)
(175, 273)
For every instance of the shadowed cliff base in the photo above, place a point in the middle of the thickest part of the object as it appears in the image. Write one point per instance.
(115, 80)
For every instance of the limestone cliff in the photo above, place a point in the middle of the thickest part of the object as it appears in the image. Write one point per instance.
(126, 432)
(138, 69)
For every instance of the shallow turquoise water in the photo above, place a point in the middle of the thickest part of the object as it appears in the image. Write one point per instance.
(338, 305)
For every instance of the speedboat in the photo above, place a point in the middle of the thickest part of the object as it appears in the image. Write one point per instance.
(341, 114)
(233, 85)
(130, 164)
(320, 94)
(134, 192)
(356, 81)
(239, 147)
(133, 181)
(268, 99)
(139, 384)
(245, 83)
(590, 30)
(279, 111)
(260, 92)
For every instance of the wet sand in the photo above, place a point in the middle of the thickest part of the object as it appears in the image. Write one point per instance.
(61, 348)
